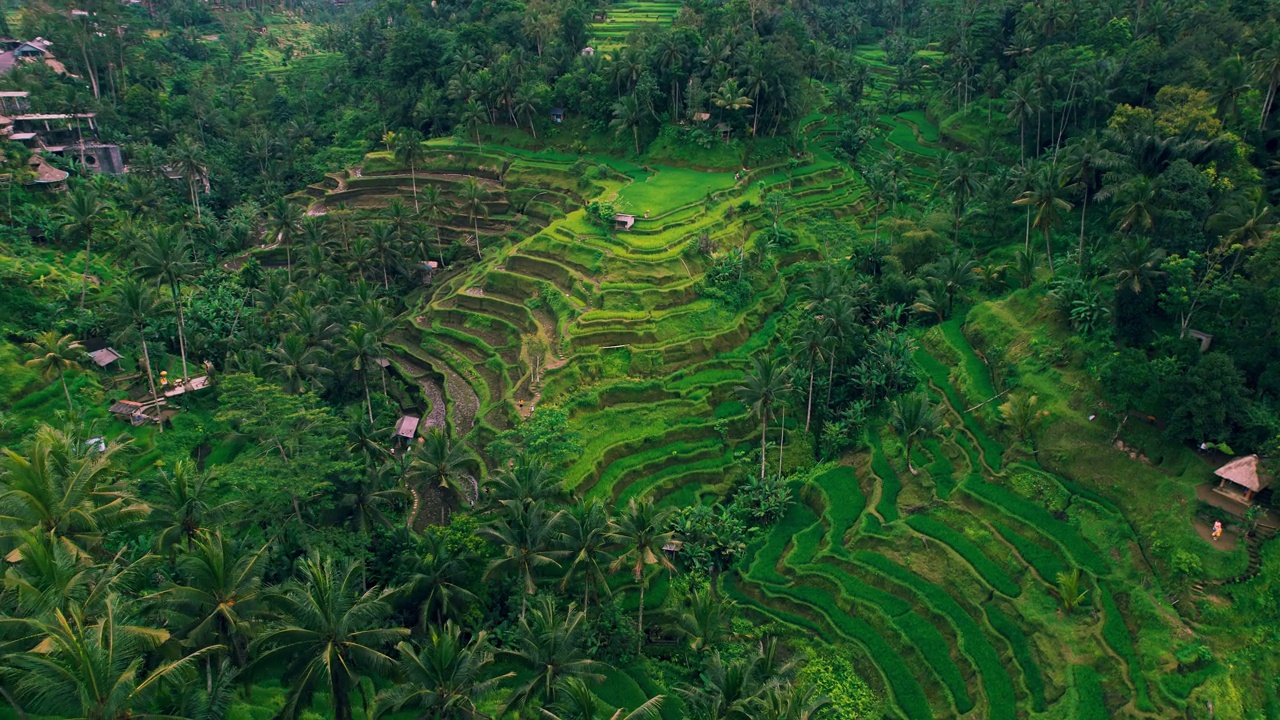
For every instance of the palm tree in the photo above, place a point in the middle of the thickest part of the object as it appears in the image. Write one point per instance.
(586, 546)
(1084, 160)
(953, 273)
(730, 691)
(54, 356)
(188, 159)
(1266, 66)
(443, 570)
(1136, 207)
(958, 177)
(358, 348)
(550, 646)
(442, 679)
(331, 636)
(761, 388)
(471, 200)
(641, 533)
(473, 115)
(1246, 223)
(219, 599)
(701, 619)
(135, 304)
(443, 467)
(284, 222)
(385, 242)
(366, 503)
(408, 151)
(526, 536)
(64, 489)
(576, 701)
(525, 481)
(1136, 264)
(627, 115)
(1045, 196)
(81, 214)
(914, 417)
(729, 97)
(297, 364)
(95, 668)
(182, 504)
(526, 103)
(164, 255)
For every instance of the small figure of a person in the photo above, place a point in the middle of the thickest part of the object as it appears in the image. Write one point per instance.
(1217, 529)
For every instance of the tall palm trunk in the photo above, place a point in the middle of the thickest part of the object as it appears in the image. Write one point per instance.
(808, 413)
(1084, 210)
(782, 436)
(764, 428)
(413, 176)
(62, 377)
(367, 402)
(1048, 249)
(182, 339)
(475, 227)
(151, 380)
(640, 622)
(84, 278)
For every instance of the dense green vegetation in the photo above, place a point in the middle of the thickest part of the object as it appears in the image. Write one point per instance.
(897, 395)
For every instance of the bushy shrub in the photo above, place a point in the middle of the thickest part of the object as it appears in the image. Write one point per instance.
(833, 674)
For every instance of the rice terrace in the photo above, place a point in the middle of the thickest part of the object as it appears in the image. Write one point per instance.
(572, 360)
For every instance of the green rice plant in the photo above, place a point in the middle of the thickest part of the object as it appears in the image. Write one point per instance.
(973, 643)
(890, 486)
(989, 571)
(977, 372)
(936, 651)
(1012, 631)
(992, 452)
(1045, 562)
(1081, 552)
(683, 469)
(941, 469)
(845, 502)
(1117, 636)
(1090, 702)
(805, 544)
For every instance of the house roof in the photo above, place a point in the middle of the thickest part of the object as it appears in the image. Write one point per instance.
(701, 117)
(407, 426)
(1244, 471)
(125, 407)
(14, 94)
(557, 111)
(105, 356)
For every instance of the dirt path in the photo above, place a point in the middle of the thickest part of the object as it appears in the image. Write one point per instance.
(1229, 542)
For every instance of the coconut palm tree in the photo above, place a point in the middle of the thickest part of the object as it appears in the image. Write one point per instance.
(443, 678)
(471, 200)
(369, 499)
(1084, 160)
(330, 637)
(1265, 62)
(442, 571)
(219, 598)
(1135, 199)
(188, 159)
(641, 534)
(358, 349)
(914, 417)
(576, 701)
(182, 504)
(526, 536)
(761, 388)
(1045, 197)
(525, 481)
(443, 467)
(95, 667)
(135, 303)
(54, 356)
(627, 115)
(284, 223)
(65, 489)
(550, 647)
(700, 619)
(586, 546)
(473, 115)
(527, 101)
(408, 151)
(164, 255)
(1136, 264)
(81, 213)
(298, 365)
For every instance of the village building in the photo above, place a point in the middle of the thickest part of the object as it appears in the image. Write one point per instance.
(623, 222)
(1242, 479)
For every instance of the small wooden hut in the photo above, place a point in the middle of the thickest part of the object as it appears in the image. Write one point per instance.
(104, 357)
(407, 427)
(623, 222)
(1242, 478)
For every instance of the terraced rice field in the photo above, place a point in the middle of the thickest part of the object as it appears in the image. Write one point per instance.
(622, 19)
(940, 578)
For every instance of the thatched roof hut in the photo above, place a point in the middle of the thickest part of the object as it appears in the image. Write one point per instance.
(1246, 472)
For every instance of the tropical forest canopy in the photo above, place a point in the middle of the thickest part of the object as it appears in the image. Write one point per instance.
(712, 359)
